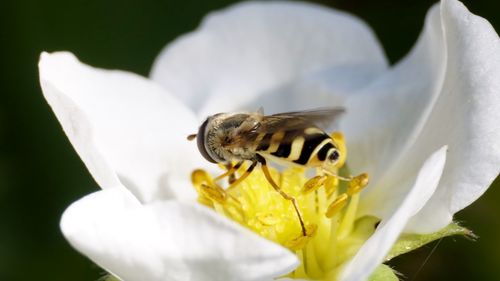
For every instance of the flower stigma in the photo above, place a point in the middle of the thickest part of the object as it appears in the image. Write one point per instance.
(327, 203)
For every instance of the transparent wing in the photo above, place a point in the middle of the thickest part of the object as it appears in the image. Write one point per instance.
(291, 123)
(321, 118)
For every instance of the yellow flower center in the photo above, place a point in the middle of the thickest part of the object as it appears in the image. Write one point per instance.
(327, 203)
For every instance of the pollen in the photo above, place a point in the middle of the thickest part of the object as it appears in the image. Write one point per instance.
(327, 203)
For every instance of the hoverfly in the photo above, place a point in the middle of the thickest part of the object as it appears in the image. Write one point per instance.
(291, 138)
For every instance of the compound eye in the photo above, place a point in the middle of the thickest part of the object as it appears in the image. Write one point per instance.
(200, 141)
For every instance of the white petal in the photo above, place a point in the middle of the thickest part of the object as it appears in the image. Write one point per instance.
(375, 249)
(383, 116)
(444, 93)
(122, 124)
(254, 47)
(169, 241)
(81, 135)
(470, 102)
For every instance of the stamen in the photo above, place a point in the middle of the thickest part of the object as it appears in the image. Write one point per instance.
(215, 193)
(337, 205)
(349, 217)
(301, 241)
(357, 184)
(314, 183)
(199, 177)
(331, 186)
(315, 217)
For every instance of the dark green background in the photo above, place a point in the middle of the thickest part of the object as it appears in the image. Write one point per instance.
(40, 174)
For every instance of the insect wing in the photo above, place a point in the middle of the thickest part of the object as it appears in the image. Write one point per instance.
(300, 119)
(289, 123)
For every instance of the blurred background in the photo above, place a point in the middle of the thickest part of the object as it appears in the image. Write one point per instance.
(40, 174)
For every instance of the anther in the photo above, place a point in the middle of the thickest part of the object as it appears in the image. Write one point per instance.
(214, 193)
(337, 205)
(331, 185)
(207, 189)
(199, 177)
(202, 199)
(357, 184)
(301, 241)
(313, 184)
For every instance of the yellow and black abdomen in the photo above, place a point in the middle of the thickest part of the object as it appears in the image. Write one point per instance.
(306, 147)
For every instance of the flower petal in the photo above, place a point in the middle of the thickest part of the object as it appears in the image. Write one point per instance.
(254, 47)
(383, 115)
(79, 131)
(374, 251)
(445, 92)
(122, 124)
(470, 102)
(168, 241)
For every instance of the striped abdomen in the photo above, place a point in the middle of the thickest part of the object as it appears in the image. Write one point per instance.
(308, 147)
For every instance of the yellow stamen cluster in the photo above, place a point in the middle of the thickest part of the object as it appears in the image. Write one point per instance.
(328, 205)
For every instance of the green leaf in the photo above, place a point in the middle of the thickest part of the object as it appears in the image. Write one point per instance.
(410, 242)
(383, 273)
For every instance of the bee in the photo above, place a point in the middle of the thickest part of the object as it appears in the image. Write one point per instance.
(290, 138)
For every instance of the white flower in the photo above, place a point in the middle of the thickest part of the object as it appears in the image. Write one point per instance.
(131, 133)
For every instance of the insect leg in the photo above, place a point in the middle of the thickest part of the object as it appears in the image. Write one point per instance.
(230, 172)
(269, 178)
(232, 178)
(242, 177)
